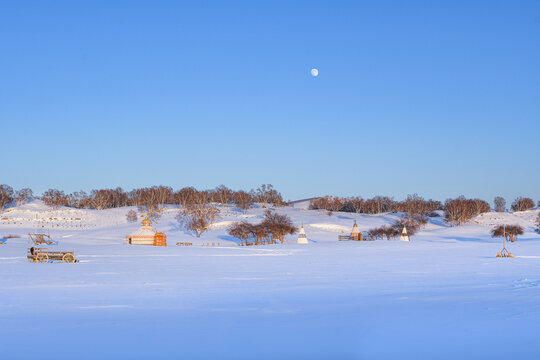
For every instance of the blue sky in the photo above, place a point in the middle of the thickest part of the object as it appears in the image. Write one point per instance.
(430, 97)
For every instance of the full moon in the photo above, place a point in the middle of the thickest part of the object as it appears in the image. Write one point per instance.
(314, 72)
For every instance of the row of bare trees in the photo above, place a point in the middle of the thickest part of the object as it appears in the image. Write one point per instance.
(460, 210)
(8, 195)
(378, 204)
(273, 228)
(519, 204)
(154, 198)
(413, 205)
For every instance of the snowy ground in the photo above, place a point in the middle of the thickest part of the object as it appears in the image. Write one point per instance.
(442, 296)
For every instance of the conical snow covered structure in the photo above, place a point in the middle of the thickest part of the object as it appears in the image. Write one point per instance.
(302, 238)
(355, 234)
(404, 235)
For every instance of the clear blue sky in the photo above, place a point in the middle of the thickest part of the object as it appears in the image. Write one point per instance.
(430, 97)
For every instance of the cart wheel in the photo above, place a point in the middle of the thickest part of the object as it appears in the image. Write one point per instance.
(510, 255)
(68, 258)
(42, 258)
(498, 255)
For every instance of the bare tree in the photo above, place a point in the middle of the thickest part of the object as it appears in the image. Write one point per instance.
(164, 195)
(411, 224)
(510, 232)
(263, 194)
(78, 199)
(202, 197)
(241, 230)
(500, 204)
(23, 196)
(278, 225)
(223, 195)
(537, 223)
(155, 213)
(459, 211)
(108, 198)
(277, 200)
(356, 204)
(260, 233)
(522, 204)
(131, 215)
(243, 200)
(184, 196)
(197, 217)
(390, 232)
(6, 196)
(54, 198)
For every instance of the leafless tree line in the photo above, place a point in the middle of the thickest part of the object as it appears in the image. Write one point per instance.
(273, 228)
(460, 210)
(8, 195)
(413, 205)
(154, 198)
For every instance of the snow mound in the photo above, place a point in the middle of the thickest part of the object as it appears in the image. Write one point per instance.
(331, 227)
(523, 218)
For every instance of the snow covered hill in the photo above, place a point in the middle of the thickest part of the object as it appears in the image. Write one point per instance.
(442, 296)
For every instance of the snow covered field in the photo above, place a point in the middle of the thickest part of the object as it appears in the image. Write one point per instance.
(442, 296)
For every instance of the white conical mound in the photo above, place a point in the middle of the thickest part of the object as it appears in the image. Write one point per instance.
(302, 238)
(404, 235)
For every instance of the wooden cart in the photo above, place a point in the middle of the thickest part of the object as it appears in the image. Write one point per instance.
(43, 255)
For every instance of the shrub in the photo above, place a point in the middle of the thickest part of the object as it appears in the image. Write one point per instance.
(6, 196)
(522, 204)
(55, 198)
(131, 216)
(510, 232)
(459, 211)
(241, 230)
(390, 232)
(500, 204)
(411, 224)
(243, 200)
(197, 217)
(278, 225)
(10, 236)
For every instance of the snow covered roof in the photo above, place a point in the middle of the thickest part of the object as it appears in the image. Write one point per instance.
(144, 231)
